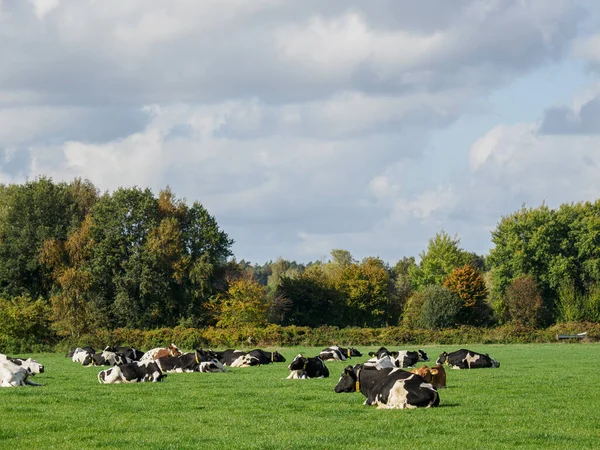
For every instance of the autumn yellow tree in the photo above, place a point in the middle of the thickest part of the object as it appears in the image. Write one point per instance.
(244, 303)
(469, 285)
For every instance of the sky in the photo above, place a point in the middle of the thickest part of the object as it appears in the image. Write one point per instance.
(308, 125)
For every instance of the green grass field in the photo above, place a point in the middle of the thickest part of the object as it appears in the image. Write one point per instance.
(542, 396)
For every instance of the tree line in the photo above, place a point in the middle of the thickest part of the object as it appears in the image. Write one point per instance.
(73, 259)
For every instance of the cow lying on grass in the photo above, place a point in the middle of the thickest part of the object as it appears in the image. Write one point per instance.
(304, 368)
(435, 375)
(467, 359)
(239, 358)
(383, 358)
(136, 372)
(161, 352)
(388, 388)
(197, 361)
(16, 371)
(335, 353)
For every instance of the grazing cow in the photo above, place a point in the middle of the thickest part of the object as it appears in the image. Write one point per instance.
(467, 359)
(136, 372)
(161, 352)
(389, 388)
(335, 353)
(16, 372)
(303, 368)
(383, 352)
(409, 359)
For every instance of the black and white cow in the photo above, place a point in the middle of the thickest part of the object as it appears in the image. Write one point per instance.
(467, 359)
(127, 353)
(389, 388)
(303, 368)
(408, 359)
(335, 353)
(266, 357)
(383, 352)
(198, 361)
(87, 349)
(239, 358)
(136, 372)
(16, 371)
(84, 356)
(234, 358)
(385, 362)
(109, 358)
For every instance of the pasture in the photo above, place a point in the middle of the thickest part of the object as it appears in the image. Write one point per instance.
(542, 396)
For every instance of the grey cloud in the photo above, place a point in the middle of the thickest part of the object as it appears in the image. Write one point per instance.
(567, 121)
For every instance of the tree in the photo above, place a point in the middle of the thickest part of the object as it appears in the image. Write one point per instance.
(30, 214)
(243, 304)
(433, 307)
(523, 302)
(442, 256)
(470, 287)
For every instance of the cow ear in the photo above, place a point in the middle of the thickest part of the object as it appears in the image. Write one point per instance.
(394, 354)
(434, 372)
(372, 353)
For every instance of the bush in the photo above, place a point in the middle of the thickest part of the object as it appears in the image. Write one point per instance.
(24, 319)
(441, 308)
(523, 302)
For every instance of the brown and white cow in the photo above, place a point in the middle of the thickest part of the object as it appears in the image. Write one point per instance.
(434, 375)
(161, 352)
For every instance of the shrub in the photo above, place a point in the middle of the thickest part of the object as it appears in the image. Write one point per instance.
(441, 308)
(523, 302)
(22, 318)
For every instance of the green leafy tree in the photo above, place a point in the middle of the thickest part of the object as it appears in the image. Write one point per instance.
(245, 303)
(442, 256)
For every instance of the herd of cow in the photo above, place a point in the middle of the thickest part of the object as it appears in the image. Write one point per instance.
(381, 379)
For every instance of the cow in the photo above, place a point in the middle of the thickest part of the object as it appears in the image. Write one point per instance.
(16, 372)
(233, 358)
(385, 362)
(239, 358)
(87, 349)
(383, 352)
(335, 353)
(198, 361)
(109, 358)
(389, 388)
(83, 356)
(467, 359)
(136, 372)
(132, 354)
(161, 352)
(409, 359)
(266, 357)
(303, 368)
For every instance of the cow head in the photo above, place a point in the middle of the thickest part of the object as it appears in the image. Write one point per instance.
(422, 355)
(381, 352)
(424, 372)
(442, 358)
(353, 352)
(495, 363)
(153, 372)
(88, 359)
(347, 381)
(277, 357)
(298, 363)
(174, 350)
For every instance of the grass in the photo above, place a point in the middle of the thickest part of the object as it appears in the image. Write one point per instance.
(542, 396)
